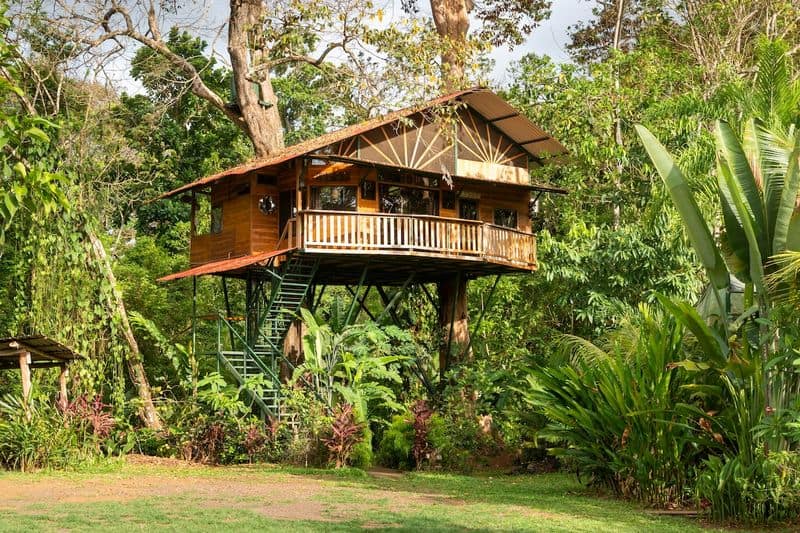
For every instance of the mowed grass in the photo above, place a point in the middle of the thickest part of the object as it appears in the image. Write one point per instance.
(126, 498)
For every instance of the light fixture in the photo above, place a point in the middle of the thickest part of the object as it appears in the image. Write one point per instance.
(267, 205)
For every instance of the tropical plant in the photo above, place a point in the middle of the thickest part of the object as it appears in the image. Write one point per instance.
(34, 434)
(355, 362)
(622, 412)
(764, 489)
(346, 433)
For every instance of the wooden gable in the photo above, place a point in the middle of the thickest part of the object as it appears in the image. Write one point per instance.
(461, 144)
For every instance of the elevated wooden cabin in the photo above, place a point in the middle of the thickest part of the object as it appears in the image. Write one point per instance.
(431, 189)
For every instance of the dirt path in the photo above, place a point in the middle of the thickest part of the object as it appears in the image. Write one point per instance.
(279, 495)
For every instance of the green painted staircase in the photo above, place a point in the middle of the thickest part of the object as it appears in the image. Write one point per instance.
(290, 285)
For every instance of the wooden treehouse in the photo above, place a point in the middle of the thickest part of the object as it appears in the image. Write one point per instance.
(438, 193)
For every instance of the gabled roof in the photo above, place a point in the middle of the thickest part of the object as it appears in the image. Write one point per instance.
(532, 139)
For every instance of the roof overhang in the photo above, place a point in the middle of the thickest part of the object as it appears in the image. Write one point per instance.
(228, 266)
(539, 145)
(43, 351)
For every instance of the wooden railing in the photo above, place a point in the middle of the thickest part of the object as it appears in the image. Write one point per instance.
(388, 233)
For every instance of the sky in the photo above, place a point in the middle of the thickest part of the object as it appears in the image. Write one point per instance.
(547, 39)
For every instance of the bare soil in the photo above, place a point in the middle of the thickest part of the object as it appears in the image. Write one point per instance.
(280, 496)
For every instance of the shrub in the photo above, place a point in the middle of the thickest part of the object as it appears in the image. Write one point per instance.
(40, 436)
(622, 413)
(394, 450)
(765, 490)
(346, 433)
(362, 455)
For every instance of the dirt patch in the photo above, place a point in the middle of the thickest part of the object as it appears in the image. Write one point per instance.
(385, 473)
(278, 496)
(148, 460)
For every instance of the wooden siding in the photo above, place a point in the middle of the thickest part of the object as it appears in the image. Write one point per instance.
(245, 230)
(234, 238)
(264, 230)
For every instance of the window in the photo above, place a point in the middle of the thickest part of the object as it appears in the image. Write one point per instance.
(408, 194)
(409, 200)
(404, 178)
(506, 218)
(216, 218)
(207, 217)
(448, 200)
(468, 209)
(367, 190)
(334, 198)
(265, 179)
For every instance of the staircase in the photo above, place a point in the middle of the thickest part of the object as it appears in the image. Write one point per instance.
(288, 294)
(289, 288)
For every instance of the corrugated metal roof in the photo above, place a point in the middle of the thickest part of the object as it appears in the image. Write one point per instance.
(40, 347)
(227, 265)
(508, 120)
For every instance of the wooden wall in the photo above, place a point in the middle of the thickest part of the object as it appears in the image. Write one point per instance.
(234, 239)
(246, 230)
(264, 231)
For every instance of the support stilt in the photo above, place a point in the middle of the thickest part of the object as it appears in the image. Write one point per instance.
(477, 325)
(25, 370)
(63, 400)
(391, 304)
(453, 319)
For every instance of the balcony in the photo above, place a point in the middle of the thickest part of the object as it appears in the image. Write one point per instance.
(381, 234)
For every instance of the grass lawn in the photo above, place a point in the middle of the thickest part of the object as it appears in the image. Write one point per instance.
(124, 497)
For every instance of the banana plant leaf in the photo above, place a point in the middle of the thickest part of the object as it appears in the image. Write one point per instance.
(696, 227)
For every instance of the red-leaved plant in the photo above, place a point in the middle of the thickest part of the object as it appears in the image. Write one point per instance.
(255, 439)
(422, 425)
(95, 413)
(345, 434)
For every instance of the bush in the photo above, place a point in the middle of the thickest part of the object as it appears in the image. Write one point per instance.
(394, 450)
(40, 435)
(766, 490)
(623, 413)
(362, 456)
(346, 433)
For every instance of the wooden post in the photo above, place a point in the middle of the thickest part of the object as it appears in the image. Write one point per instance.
(25, 370)
(63, 400)
(453, 320)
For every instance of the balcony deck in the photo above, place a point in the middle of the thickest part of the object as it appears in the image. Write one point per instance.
(394, 246)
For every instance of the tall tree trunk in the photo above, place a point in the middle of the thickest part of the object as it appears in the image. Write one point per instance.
(451, 18)
(257, 102)
(615, 46)
(134, 360)
(453, 316)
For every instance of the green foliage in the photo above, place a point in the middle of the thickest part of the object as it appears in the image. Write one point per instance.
(35, 435)
(766, 489)
(623, 411)
(355, 362)
(394, 450)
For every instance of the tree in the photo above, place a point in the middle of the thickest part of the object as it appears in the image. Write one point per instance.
(262, 37)
(758, 186)
(501, 22)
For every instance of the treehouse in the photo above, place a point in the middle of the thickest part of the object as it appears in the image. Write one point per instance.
(438, 193)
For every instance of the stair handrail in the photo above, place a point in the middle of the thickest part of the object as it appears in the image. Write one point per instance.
(259, 363)
(286, 233)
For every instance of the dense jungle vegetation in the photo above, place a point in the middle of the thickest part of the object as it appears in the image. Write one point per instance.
(656, 352)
